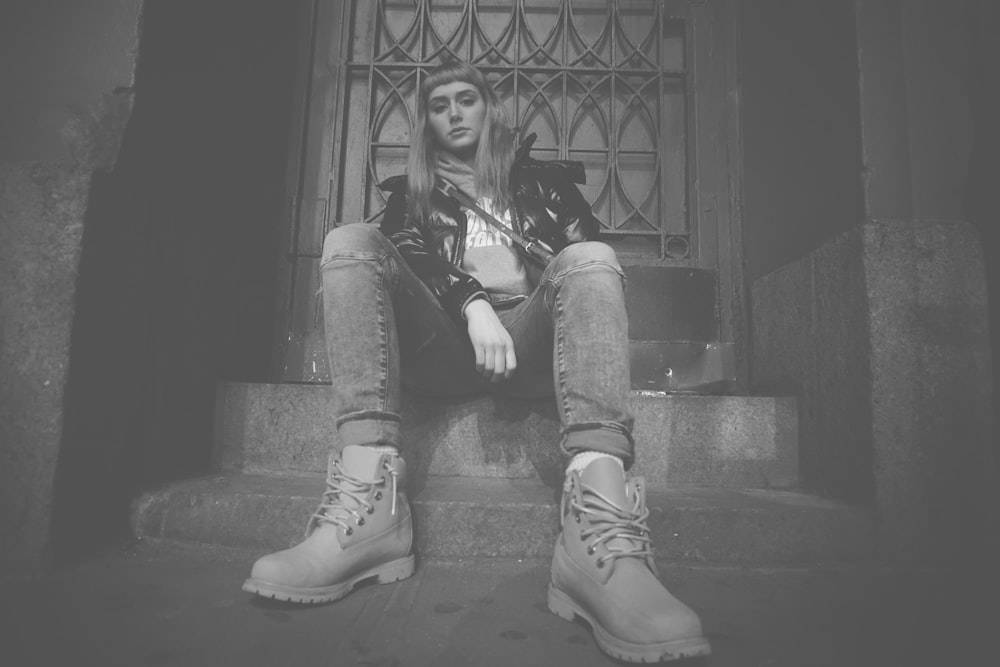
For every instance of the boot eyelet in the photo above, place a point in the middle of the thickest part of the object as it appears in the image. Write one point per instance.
(600, 564)
(348, 531)
(577, 517)
(371, 509)
(590, 551)
(361, 521)
(378, 495)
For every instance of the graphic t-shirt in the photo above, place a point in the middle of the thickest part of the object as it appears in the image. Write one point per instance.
(490, 255)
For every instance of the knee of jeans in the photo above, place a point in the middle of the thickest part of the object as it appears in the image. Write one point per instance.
(352, 239)
(589, 252)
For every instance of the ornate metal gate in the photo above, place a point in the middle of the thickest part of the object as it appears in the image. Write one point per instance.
(603, 83)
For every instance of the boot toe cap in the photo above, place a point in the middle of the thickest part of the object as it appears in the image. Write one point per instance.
(277, 570)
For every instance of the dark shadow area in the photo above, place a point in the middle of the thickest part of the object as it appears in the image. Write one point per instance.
(177, 279)
(104, 394)
(800, 118)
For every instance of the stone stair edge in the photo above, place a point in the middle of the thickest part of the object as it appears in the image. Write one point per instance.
(637, 393)
(458, 517)
(463, 489)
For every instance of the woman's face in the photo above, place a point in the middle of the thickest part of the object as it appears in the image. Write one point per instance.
(456, 113)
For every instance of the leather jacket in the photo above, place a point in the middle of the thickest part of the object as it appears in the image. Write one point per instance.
(547, 208)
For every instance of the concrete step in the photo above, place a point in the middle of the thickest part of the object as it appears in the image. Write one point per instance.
(731, 441)
(459, 517)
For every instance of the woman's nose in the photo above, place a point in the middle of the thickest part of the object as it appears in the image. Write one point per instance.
(455, 113)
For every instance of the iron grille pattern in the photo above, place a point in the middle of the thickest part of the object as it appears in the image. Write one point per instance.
(604, 83)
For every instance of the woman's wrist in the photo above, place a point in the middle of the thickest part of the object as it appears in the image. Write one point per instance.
(475, 307)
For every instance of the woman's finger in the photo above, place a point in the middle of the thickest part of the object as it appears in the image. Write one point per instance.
(480, 358)
(489, 362)
(511, 361)
(499, 364)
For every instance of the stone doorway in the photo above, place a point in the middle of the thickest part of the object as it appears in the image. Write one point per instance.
(637, 91)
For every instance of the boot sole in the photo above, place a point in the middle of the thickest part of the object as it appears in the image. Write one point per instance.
(564, 607)
(386, 573)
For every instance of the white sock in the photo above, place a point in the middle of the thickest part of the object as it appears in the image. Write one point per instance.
(384, 449)
(584, 459)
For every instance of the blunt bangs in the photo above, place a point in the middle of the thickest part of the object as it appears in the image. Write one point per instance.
(451, 72)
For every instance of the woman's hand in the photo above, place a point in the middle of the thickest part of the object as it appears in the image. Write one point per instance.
(457, 173)
(495, 359)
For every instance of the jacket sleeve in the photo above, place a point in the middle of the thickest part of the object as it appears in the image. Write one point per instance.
(556, 186)
(453, 288)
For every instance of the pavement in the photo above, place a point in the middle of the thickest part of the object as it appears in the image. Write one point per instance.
(162, 603)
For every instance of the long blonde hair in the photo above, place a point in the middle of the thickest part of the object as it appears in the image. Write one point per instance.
(494, 155)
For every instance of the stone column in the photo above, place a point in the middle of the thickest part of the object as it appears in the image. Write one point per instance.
(935, 473)
(66, 74)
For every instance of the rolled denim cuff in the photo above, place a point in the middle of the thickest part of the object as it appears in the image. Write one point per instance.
(607, 437)
(369, 427)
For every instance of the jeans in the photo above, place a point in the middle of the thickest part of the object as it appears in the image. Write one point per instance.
(385, 328)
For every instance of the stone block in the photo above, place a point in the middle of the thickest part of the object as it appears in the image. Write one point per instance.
(883, 336)
(932, 392)
(727, 440)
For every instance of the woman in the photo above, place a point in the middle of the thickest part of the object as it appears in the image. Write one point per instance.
(440, 299)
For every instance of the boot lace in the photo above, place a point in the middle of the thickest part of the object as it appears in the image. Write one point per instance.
(607, 522)
(346, 498)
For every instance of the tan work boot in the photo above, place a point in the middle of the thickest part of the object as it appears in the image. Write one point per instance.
(603, 571)
(362, 529)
